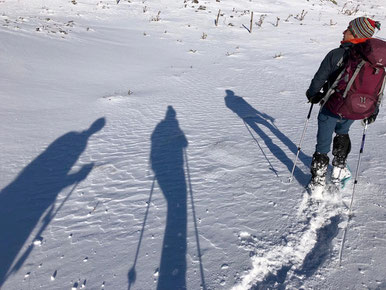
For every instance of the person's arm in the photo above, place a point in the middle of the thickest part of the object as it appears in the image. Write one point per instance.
(328, 66)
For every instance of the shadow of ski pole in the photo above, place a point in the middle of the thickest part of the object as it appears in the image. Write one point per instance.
(195, 223)
(132, 275)
(262, 151)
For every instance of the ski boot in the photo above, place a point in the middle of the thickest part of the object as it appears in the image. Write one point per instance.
(319, 171)
(341, 174)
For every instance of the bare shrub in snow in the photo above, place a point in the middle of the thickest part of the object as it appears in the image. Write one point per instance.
(301, 16)
(157, 17)
(261, 20)
(218, 16)
(278, 55)
(289, 16)
(350, 11)
(349, 8)
(277, 21)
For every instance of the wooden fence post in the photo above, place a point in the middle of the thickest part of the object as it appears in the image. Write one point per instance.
(218, 16)
(250, 27)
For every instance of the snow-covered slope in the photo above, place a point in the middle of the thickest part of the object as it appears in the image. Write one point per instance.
(146, 147)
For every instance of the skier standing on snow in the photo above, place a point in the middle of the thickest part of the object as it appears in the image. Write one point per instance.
(358, 31)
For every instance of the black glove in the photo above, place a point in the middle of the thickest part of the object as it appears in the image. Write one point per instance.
(372, 118)
(316, 98)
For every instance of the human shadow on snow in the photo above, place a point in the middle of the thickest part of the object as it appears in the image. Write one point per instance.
(255, 120)
(168, 151)
(167, 161)
(33, 193)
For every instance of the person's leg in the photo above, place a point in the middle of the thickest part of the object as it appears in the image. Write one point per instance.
(326, 127)
(319, 164)
(340, 149)
(342, 143)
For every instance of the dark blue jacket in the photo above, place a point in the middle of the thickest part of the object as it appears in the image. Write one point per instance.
(329, 70)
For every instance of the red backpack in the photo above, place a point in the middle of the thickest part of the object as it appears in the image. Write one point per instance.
(359, 87)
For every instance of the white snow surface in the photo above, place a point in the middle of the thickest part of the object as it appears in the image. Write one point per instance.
(144, 147)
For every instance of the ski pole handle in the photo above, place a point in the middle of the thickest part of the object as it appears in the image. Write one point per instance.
(309, 112)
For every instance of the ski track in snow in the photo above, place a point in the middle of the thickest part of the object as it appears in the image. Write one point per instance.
(301, 252)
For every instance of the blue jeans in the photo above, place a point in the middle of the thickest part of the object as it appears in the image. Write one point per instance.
(327, 124)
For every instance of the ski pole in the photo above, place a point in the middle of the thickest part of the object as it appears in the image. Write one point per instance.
(300, 143)
(353, 192)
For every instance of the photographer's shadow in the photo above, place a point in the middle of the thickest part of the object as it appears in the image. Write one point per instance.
(33, 193)
(168, 143)
(254, 119)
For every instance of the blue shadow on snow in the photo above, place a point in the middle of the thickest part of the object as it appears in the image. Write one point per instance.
(254, 119)
(34, 191)
(322, 249)
(168, 143)
(168, 151)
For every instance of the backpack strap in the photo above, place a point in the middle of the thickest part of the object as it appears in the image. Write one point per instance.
(355, 74)
(340, 64)
(331, 90)
(380, 95)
